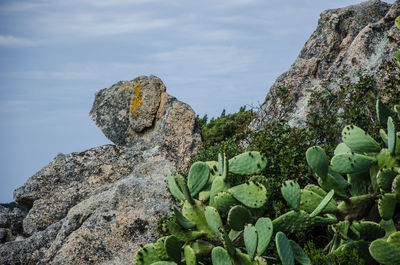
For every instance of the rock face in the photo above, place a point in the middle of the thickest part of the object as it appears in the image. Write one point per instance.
(99, 205)
(359, 37)
(10, 224)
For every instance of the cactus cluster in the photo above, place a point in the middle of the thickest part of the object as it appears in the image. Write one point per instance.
(365, 178)
(226, 222)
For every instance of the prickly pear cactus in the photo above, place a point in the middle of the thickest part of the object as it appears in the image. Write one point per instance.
(370, 173)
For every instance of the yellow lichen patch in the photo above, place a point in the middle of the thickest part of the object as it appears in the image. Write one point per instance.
(137, 97)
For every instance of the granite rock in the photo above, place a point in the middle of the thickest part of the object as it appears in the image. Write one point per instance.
(347, 40)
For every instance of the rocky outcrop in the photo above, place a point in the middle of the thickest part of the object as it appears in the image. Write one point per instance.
(11, 223)
(347, 40)
(98, 206)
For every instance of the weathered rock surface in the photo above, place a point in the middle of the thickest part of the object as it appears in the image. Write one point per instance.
(10, 224)
(358, 37)
(99, 205)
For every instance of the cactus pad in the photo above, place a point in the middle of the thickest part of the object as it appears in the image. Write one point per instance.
(217, 186)
(181, 234)
(383, 112)
(385, 252)
(224, 201)
(368, 230)
(198, 177)
(343, 228)
(238, 216)
(190, 256)
(387, 205)
(220, 256)
(385, 179)
(291, 192)
(250, 194)
(146, 255)
(299, 254)
(310, 200)
(391, 135)
(247, 163)
(284, 249)
(173, 187)
(358, 140)
(342, 148)
(173, 248)
(182, 219)
(292, 222)
(264, 230)
(195, 213)
(384, 136)
(322, 205)
(214, 220)
(318, 161)
(394, 239)
(250, 240)
(159, 247)
(351, 163)
(396, 185)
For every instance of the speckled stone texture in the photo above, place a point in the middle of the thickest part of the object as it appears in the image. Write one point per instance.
(98, 206)
(358, 37)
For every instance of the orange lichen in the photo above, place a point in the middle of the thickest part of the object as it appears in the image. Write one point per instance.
(137, 97)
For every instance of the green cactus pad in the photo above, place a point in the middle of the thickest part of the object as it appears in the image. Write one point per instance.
(385, 179)
(396, 185)
(284, 249)
(198, 177)
(327, 219)
(310, 200)
(385, 159)
(182, 219)
(397, 22)
(358, 140)
(292, 222)
(384, 252)
(359, 183)
(190, 255)
(195, 213)
(213, 165)
(391, 135)
(368, 230)
(164, 263)
(383, 112)
(173, 248)
(397, 148)
(316, 189)
(323, 204)
(362, 249)
(217, 186)
(394, 239)
(159, 247)
(343, 228)
(224, 201)
(250, 240)
(250, 194)
(173, 187)
(214, 220)
(388, 226)
(299, 254)
(264, 230)
(146, 255)
(387, 205)
(220, 256)
(228, 244)
(351, 163)
(384, 136)
(247, 163)
(318, 161)
(336, 182)
(291, 192)
(181, 234)
(238, 216)
(342, 148)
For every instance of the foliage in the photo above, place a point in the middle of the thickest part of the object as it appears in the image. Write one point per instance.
(345, 257)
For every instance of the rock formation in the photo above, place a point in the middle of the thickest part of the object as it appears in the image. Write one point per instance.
(99, 205)
(347, 40)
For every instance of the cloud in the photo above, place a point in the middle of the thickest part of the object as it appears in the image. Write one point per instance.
(8, 40)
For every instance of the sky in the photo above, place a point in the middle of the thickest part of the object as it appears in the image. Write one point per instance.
(211, 54)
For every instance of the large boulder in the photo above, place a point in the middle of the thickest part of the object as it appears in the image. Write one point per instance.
(98, 206)
(347, 40)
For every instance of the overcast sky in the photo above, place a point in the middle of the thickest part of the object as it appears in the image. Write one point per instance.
(211, 54)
